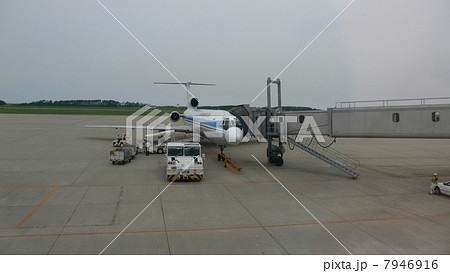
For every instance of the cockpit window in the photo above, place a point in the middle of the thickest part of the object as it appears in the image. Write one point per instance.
(191, 151)
(226, 123)
(231, 122)
(175, 151)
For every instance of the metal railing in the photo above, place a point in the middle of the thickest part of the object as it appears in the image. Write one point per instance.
(332, 154)
(391, 102)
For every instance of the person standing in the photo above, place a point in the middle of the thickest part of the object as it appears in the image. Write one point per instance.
(434, 181)
(147, 150)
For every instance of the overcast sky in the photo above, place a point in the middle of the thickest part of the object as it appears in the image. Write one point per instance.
(377, 49)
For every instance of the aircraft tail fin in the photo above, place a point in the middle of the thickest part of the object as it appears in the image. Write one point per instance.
(192, 101)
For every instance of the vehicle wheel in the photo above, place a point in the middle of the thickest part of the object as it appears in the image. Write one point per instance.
(279, 161)
(271, 159)
(437, 190)
(113, 162)
(159, 151)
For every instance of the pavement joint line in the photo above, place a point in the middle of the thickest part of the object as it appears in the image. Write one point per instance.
(353, 224)
(37, 207)
(159, 184)
(68, 220)
(256, 219)
(87, 167)
(146, 207)
(184, 183)
(39, 134)
(165, 224)
(33, 211)
(310, 213)
(116, 210)
(230, 228)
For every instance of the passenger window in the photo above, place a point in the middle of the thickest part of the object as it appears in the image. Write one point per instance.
(301, 119)
(395, 117)
(435, 116)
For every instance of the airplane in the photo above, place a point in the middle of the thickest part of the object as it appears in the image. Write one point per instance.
(219, 126)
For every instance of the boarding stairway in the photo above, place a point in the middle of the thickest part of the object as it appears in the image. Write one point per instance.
(331, 156)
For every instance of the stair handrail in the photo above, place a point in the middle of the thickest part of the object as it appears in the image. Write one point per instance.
(335, 155)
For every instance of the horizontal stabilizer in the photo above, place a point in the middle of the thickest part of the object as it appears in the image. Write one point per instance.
(187, 83)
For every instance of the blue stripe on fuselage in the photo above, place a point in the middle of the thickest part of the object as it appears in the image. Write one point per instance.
(213, 125)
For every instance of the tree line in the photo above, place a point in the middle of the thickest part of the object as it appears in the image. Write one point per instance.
(96, 103)
(113, 103)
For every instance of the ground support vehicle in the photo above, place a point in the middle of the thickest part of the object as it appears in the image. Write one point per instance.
(184, 161)
(156, 149)
(120, 140)
(124, 153)
(442, 188)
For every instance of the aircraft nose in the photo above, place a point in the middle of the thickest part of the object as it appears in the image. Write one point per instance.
(234, 135)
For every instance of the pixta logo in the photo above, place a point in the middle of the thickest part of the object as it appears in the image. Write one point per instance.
(309, 123)
(157, 124)
(217, 126)
(147, 125)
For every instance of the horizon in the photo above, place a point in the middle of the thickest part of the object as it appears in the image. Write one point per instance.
(374, 50)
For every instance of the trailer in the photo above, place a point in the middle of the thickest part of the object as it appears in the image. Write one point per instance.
(184, 161)
(124, 153)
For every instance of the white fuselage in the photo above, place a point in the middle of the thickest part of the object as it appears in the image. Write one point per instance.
(221, 127)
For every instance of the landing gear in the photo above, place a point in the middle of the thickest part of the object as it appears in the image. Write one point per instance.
(221, 156)
(271, 159)
(227, 162)
(275, 154)
(278, 161)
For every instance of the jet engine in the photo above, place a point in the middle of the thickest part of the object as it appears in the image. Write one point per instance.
(174, 116)
(194, 102)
